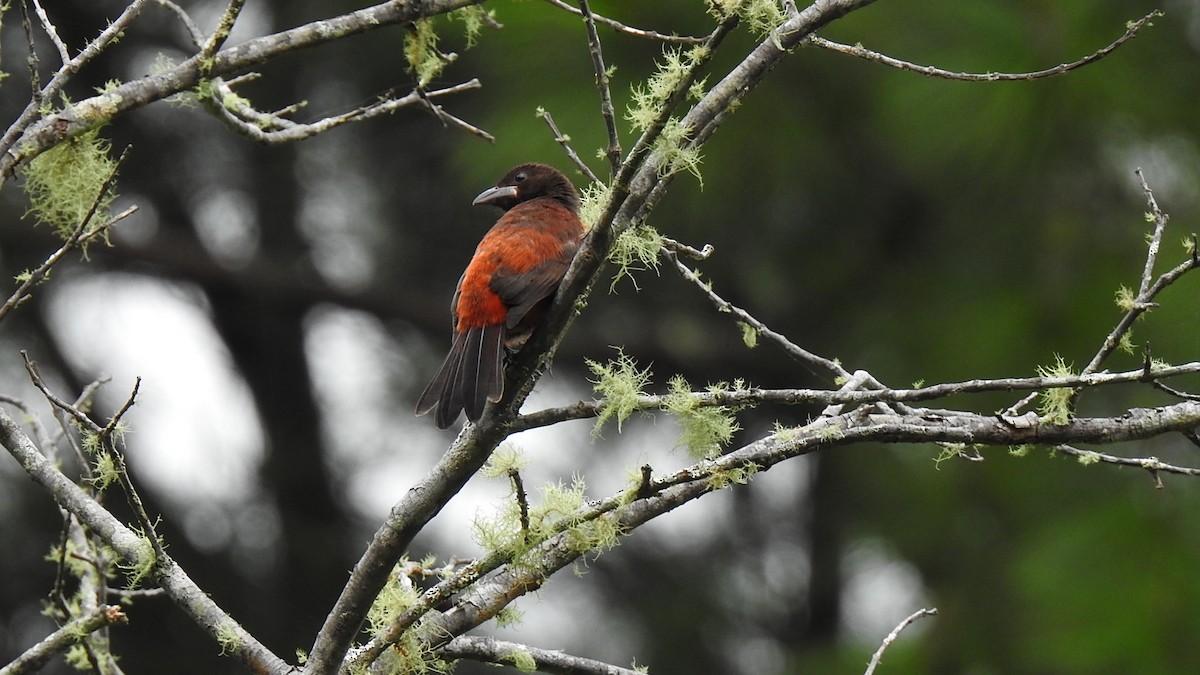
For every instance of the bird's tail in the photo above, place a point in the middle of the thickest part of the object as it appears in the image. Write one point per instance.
(471, 375)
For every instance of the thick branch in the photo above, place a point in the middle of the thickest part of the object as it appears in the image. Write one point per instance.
(483, 600)
(98, 109)
(137, 553)
(750, 397)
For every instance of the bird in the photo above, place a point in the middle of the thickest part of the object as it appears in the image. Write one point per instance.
(506, 288)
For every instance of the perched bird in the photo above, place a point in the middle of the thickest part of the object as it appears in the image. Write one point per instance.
(506, 288)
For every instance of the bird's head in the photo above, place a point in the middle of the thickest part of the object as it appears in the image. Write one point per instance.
(530, 181)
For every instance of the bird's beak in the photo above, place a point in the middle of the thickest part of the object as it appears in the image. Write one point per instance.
(496, 194)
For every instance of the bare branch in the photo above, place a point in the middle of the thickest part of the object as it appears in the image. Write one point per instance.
(1175, 392)
(273, 128)
(32, 134)
(51, 31)
(193, 30)
(1151, 464)
(630, 30)
(220, 33)
(29, 117)
(606, 107)
(877, 658)
(501, 652)
(34, 658)
(795, 351)
(1149, 291)
(131, 547)
(1160, 224)
(565, 141)
(828, 397)
(858, 51)
(693, 253)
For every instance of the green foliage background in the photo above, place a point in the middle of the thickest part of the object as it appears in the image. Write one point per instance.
(919, 228)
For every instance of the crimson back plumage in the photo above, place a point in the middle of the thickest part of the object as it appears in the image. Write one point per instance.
(501, 296)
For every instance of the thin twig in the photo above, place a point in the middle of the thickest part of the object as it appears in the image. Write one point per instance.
(795, 351)
(630, 30)
(451, 120)
(1145, 299)
(33, 111)
(34, 658)
(1160, 224)
(36, 377)
(891, 637)
(503, 653)
(1016, 408)
(1152, 464)
(220, 34)
(189, 24)
(565, 141)
(63, 53)
(613, 152)
(522, 502)
(1131, 31)
(693, 253)
(273, 128)
(1175, 392)
(35, 78)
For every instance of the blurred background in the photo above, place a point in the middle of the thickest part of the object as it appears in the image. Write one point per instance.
(285, 305)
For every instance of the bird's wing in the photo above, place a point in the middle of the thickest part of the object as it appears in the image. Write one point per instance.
(533, 274)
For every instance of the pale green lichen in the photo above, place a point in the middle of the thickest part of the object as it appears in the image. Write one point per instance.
(647, 99)
(761, 16)
(749, 335)
(635, 250)
(619, 384)
(704, 429)
(508, 457)
(474, 18)
(560, 510)
(140, 567)
(738, 475)
(1125, 299)
(229, 637)
(421, 52)
(66, 181)
(592, 201)
(1055, 406)
(674, 154)
(522, 660)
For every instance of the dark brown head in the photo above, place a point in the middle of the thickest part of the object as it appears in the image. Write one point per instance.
(530, 181)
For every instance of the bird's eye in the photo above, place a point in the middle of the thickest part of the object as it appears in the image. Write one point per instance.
(519, 177)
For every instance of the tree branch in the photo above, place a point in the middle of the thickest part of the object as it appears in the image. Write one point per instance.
(10, 159)
(613, 152)
(754, 396)
(37, 656)
(137, 553)
(28, 138)
(565, 141)
(630, 30)
(503, 653)
(1131, 30)
(877, 658)
(483, 600)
